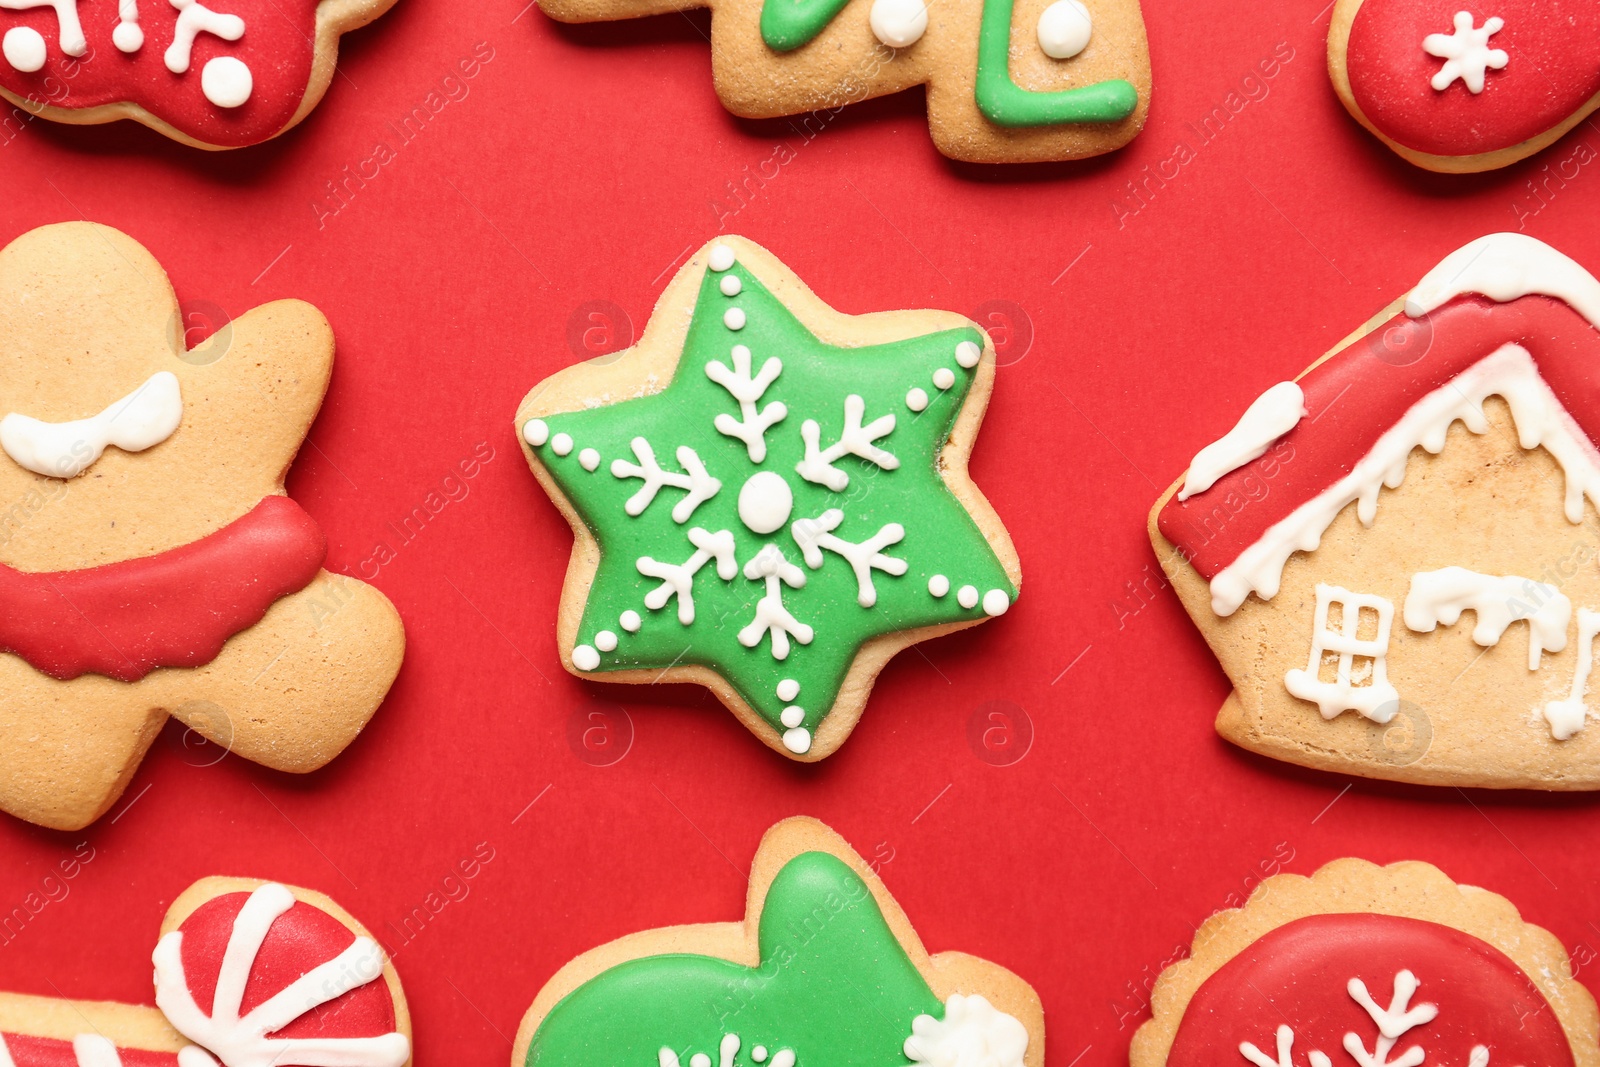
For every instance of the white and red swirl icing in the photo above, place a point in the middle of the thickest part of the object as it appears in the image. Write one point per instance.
(278, 46)
(1553, 66)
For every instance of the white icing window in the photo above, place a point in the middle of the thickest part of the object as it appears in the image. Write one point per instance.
(1346, 670)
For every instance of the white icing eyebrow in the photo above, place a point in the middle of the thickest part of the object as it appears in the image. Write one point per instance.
(142, 419)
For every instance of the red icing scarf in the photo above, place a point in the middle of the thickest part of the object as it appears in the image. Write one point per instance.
(173, 609)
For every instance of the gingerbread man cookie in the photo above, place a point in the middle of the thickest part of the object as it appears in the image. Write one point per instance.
(1458, 87)
(825, 968)
(1440, 462)
(150, 563)
(1008, 80)
(247, 974)
(1367, 966)
(770, 498)
(210, 73)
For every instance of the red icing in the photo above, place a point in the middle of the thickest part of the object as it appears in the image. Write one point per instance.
(49, 1052)
(1553, 65)
(1297, 975)
(175, 609)
(277, 46)
(299, 940)
(1212, 528)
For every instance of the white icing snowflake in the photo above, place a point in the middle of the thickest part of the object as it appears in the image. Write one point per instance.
(1466, 52)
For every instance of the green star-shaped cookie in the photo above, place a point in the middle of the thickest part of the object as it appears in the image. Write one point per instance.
(770, 498)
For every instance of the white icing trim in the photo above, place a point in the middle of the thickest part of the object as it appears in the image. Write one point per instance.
(1270, 416)
(973, 1033)
(1567, 717)
(1393, 1023)
(226, 81)
(751, 427)
(813, 536)
(24, 49)
(142, 419)
(1497, 601)
(241, 1041)
(898, 23)
(772, 617)
(194, 18)
(1466, 52)
(694, 479)
(854, 440)
(1064, 29)
(69, 31)
(1285, 1058)
(1506, 267)
(677, 580)
(1540, 421)
(1377, 700)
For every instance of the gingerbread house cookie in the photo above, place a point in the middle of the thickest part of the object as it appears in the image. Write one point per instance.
(1367, 966)
(1394, 556)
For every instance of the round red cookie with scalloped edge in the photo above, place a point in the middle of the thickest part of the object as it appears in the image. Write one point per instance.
(1461, 87)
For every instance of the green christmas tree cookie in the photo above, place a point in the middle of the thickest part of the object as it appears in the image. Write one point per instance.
(825, 971)
(770, 498)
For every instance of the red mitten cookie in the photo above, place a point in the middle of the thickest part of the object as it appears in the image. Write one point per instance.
(209, 73)
(1456, 87)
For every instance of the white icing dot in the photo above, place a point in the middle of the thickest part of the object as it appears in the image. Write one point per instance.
(797, 740)
(938, 585)
(898, 23)
(585, 658)
(226, 82)
(536, 432)
(765, 502)
(1064, 29)
(605, 641)
(759, 1053)
(793, 716)
(24, 48)
(128, 37)
(944, 377)
(996, 601)
(561, 444)
(731, 285)
(721, 258)
(967, 596)
(631, 621)
(968, 354)
(733, 318)
(699, 1059)
(917, 399)
(788, 689)
(589, 459)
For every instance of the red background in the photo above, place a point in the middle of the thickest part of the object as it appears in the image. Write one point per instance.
(582, 165)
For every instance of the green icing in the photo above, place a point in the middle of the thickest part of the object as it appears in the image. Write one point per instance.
(788, 24)
(940, 537)
(1005, 103)
(833, 986)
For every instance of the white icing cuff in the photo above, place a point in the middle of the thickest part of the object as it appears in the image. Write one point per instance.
(973, 1033)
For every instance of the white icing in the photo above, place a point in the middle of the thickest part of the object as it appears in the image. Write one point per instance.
(968, 354)
(731, 285)
(1566, 717)
(1285, 1058)
(733, 318)
(765, 502)
(699, 1059)
(1497, 601)
(788, 689)
(938, 585)
(24, 49)
(128, 37)
(142, 419)
(536, 432)
(677, 580)
(898, 23)
(95, 1050)
(1376, 699)
(1540, 420)
(813, 536)
(996, 602)
(694, 480)
(1270, 416)
(194, 18)
(973, 1033)
(721, 258)
(917, 399)
(1506, 267)
(242, 1041)
(944, 378)
(588, 459)
(855, 440)
(630, 621)
(798, 741)
(226, 82)
(967, 596)
(1064, 29)
(69, 31)
(1466, 52)
(585, 657)
(605, 641)
(772, 617)
(793, 716)
(751, 427)
(561, 444)
(759, 1053)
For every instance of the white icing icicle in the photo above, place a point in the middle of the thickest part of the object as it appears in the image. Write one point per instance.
(973, 1033)
(1540, 421)
(1566, 717)
(142, 419)
(1273, 414)
(1497, 601)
